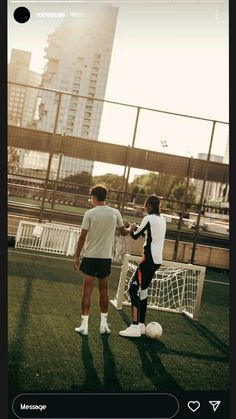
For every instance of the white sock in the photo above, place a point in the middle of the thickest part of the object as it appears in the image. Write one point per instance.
(104, 317)
(84, 319)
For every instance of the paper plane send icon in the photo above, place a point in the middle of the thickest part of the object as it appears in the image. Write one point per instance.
(215, 404)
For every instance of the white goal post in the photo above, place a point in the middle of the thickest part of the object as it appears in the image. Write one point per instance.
(176, 287)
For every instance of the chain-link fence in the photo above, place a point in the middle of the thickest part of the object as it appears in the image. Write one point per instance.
(71, 142)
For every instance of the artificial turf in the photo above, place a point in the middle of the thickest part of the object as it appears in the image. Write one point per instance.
(45, 354)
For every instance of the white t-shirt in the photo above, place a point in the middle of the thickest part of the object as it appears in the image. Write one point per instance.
(154, 227)
(101, 223)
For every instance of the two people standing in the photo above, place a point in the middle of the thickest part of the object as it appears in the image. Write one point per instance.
(96, 239)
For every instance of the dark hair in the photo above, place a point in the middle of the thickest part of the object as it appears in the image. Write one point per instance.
(154, 201)
(99, 191)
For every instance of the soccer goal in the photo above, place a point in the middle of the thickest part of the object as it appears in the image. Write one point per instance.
(176, 287)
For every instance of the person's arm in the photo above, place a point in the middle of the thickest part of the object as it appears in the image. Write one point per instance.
(139, 231)
(124, 231)
(80, 245)
(123, 225)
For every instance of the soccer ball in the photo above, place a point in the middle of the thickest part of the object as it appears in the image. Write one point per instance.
(153, 330)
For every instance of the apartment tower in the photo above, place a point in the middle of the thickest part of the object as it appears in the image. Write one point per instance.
(21, 100)
(78, 54)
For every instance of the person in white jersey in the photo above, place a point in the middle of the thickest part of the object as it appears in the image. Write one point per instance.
(153, 226)
(96, 239)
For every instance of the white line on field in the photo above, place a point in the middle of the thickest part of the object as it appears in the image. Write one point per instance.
(217, 282)
(113, 266)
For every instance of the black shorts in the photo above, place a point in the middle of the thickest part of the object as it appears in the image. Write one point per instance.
(96, 267)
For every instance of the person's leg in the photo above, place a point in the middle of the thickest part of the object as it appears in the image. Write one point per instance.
(87, 292)
(148, 270)
(138, 294)
(134, 297)
(143, 307)
(85, 303)
(104, 302)
(103, 272)
(134, 330)
(103, 294)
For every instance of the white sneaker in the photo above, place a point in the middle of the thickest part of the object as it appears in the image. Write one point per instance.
(83, 330)
(133, 331)
(142, 328)
(104, 329)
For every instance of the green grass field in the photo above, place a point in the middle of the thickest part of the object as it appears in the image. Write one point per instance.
(45, 354)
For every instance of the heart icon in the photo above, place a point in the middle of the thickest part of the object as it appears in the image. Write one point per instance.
(193, 405)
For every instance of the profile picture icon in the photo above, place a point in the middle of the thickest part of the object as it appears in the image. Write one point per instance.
(21, 14)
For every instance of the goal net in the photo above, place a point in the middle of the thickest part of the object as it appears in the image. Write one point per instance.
(176, 287)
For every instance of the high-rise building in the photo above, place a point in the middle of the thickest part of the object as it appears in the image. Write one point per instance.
(21, 108)
(21, 100)
(78, 54)
(214, 157)
(215, 192)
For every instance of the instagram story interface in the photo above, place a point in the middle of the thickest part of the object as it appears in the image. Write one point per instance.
(118, 209)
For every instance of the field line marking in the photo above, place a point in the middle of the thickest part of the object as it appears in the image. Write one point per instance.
(217, 282)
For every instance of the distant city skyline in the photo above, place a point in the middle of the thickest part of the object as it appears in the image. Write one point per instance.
(171, 57)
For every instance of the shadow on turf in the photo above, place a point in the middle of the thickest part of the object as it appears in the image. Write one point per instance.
(91, 377)
(152, 366)
(16, 355)
(92, 380)
(212, 339)
(111, 381)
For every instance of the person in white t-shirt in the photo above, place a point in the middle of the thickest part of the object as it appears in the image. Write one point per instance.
(153, 226)
(96, 239)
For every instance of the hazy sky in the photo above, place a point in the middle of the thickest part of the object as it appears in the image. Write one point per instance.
(170, 56)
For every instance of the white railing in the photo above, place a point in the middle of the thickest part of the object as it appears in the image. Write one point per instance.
(58, 238)
(47, 237)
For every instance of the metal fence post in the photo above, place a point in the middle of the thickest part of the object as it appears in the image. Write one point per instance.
(50, 160)
(176, 248)
(127, 165)
(202, 195)
(56, 181)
